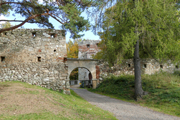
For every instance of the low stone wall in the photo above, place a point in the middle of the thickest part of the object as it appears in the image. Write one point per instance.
(148, 66)
(51, 76)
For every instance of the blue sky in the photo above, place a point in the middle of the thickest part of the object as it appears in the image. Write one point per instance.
(87, 35)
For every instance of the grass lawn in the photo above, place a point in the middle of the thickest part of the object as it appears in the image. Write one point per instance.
(22, 101)
(163, 89)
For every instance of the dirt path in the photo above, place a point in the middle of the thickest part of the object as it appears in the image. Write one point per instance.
(122, 110)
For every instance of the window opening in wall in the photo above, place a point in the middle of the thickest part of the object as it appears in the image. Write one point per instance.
(129, 65)
(2, 58)
(54, 50)
(161, 66)
(144, 65)
(52, 35)
(177, 66)
(88, 45)
(65, 59)
(34, 34)
(39, 59)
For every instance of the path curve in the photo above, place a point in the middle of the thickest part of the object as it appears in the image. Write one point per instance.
(122, 110)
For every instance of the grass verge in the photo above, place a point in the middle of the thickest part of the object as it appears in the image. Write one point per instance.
(163, 89)
(23, 101)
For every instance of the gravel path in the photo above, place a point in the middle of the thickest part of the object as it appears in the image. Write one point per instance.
(122, 110)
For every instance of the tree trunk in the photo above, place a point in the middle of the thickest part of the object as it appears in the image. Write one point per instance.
(137, 72)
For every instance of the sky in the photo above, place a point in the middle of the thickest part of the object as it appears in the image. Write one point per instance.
(87, 35)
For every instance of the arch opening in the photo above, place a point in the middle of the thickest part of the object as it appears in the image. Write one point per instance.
(80, 77)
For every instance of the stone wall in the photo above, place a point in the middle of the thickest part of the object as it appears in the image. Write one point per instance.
(148, 66)
(42, 74)
(36, 56)
(87, 48)
(26, 45)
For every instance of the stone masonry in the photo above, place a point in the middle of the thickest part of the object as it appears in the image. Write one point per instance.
(148, 66)
(35, 56)
(87, 48)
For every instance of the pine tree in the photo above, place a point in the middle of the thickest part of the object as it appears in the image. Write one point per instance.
(66, 12)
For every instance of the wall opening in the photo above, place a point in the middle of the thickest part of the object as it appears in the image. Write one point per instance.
(53, 35)
(161, 66)
(81, 76)
(88, 45)
(34, 34)
(54, 50)
(177, 66)
(2, 58)
(144, 66)
(129, 65)
(39, 59)
(64, 60)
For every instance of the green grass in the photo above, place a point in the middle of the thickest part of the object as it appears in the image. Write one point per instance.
(66, 107)
(163, 89)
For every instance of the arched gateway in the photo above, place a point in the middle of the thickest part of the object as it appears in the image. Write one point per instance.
(90, 64)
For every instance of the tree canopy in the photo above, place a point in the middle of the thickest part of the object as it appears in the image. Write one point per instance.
(157, 29)
(140, 29)
(66, 12)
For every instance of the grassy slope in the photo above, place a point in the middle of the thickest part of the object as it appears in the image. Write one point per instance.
(163, 88)
(59, 106)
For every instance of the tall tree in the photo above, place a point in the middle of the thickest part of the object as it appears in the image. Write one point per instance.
(145, 28)
(66, 12)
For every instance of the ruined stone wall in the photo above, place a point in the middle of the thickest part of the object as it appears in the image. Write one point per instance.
(87, 48)
(26, 45)
(36, 56)
(148, 66)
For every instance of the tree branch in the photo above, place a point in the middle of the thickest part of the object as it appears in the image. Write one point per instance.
(16, 21)
(16, 26)
(11, 3)
(56, 19)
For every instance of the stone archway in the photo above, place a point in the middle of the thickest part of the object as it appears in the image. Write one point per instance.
(90, 64)
(79, 75)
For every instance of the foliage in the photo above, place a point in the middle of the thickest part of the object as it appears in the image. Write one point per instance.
(163, 89)
(6, 25)
(66, 12)
(74, 74)
(65, 107)
(154, 23)
(101, 53)
(72, 48)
